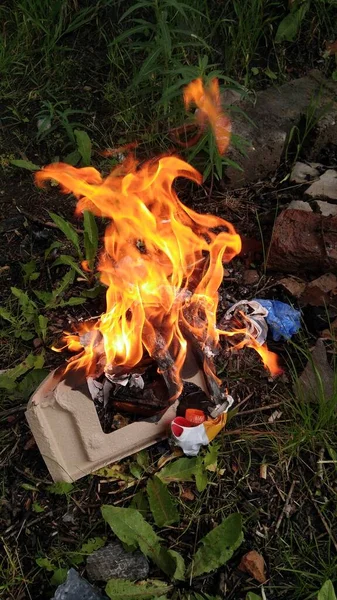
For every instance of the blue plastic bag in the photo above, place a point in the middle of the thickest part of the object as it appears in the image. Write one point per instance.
(283, 320)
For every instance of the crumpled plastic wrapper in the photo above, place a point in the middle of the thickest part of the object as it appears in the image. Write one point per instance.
(190, 437)
(254, 315)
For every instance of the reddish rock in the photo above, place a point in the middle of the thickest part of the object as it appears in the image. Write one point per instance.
(303, 241)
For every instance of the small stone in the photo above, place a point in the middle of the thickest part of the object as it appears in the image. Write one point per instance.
(325, 186)
(304, 173)
(76, 588)
(327, 209)
(37, 342)
(113, 562)
(300, 205)
(87, 88)
(250, 277)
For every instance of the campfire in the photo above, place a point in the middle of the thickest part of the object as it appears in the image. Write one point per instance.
(162, 265)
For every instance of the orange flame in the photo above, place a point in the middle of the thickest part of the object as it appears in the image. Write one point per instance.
(209, 103)
(162, 262)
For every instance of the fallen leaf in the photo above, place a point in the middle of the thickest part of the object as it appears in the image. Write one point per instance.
(295, 287)
(187, 494)
(331, 47)
(317, 291)
(253, 564)
(31, 443)
(177, 452)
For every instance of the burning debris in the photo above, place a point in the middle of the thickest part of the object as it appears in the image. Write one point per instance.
(162, 265)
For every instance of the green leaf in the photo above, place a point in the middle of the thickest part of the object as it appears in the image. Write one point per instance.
(73, 158)
(131, 528)
(59, 576)
(334, 75)
(37, 508)
(43, 296)
(42, 325)
(114, 473)
(179, 573)
(333, 455)
(25, 164)
(163, 508)
(252, 596)
(29, 487)
(31, 381)
(68, 230)
(74, 301)
(6, 315)
(290, 25)
(211, 457)
(327, 591)
(270, 73)
(140, 503)
(83, 146)
(90, 226)
(218, 546)
(119, 589)
(45, 563)
(92, 544)
(65, 259)
(136, 470)
(182, 469)
(60, 487)
(87, 548)
(142, 459)
(65, 282)
(201, 478)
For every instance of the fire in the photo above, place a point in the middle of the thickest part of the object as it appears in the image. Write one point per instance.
(162, 262)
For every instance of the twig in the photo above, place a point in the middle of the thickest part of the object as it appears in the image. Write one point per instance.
(10, 411)
(41, 221)
(284, 510)
(323, 519)
(258, 409)
(320, 464)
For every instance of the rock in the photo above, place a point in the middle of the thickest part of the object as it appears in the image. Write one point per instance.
(77, 588)
(325, 186)
(300, 205)
(317, 380)
(327, 209)
(294, 286)
(270, 119)
(253, 564)
(325, 131)
(303, 241)
(250, 277)
(113, 562)
(304, 173)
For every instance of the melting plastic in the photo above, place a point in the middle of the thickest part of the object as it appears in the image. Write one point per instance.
(190, 436)
(283, 320)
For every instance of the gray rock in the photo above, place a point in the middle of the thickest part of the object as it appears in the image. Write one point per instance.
(325, 186)
(270, 119)
(327, 209)
(299, 205)
(304, 173)
(77, 588)
(113, 562)
(317, 381)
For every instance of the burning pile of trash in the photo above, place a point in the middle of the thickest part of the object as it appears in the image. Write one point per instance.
(162, 265)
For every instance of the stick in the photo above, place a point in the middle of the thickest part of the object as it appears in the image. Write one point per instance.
(284, 510)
